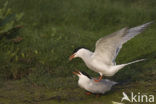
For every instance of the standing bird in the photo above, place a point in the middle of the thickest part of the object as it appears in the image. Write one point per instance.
(88, 83)
(102, 60)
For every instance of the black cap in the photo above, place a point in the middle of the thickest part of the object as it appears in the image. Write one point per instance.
(84, 73)
(76, 49)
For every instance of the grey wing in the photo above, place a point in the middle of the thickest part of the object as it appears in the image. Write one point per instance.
(109, 82)
(102, 86)
(132, 32)
(107, 48)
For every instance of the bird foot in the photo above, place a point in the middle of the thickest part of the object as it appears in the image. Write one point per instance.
(88, 93)
(97, 80)
(97, 96)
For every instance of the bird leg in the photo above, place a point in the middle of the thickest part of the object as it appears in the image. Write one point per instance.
(97, 96)
(88, 93)
(97, 80)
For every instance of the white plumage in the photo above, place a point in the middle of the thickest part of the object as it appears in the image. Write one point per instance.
(90, 85)
(102, 60)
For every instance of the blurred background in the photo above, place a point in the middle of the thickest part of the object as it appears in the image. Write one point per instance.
(38, 36)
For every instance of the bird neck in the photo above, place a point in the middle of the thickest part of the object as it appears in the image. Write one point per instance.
(86, 55)
(83, 82)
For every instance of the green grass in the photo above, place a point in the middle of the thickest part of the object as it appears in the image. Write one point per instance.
(53, 28)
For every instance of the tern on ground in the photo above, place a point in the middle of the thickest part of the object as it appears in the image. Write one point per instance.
(102, 60)
(88, 83)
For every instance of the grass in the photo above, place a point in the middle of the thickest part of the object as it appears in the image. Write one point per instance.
(53, 28)
(70, 95)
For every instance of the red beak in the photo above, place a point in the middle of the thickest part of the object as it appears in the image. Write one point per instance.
(71, 57)
(76, 73)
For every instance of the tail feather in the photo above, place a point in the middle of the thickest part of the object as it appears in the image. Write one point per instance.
(135, 61)
(114, 83)
(118, 67)
(111, 82)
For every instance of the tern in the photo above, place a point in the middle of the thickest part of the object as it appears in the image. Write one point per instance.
(88, 83)
(102, 60)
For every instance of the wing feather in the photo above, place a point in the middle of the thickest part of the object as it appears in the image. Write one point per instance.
(108, 47)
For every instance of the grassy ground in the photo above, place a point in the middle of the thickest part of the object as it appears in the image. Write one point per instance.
(38, 66)
(16, 92)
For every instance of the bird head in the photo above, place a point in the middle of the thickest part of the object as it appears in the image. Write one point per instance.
(82, 74)
(77, 52)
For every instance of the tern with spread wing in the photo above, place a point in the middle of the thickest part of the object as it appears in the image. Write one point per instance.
(102, 60)
(88, 83)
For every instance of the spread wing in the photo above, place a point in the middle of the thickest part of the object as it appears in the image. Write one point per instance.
(108, 47)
